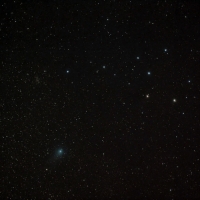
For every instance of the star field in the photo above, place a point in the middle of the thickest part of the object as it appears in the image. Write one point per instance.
(100, 99)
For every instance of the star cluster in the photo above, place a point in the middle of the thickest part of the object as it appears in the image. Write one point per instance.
(100, 99)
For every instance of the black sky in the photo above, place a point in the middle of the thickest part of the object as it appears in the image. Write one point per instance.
(100, 99)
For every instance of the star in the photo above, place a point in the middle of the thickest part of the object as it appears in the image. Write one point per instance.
(149, 73)
(174, 100)
(67, 71)
(147, 96)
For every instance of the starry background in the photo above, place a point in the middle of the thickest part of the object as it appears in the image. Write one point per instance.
(100, 99)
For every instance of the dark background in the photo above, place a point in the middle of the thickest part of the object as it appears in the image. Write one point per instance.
(71, 81)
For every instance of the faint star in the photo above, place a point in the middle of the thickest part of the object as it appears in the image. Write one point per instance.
(149, 73)
(174, 100)
(104, 67)
(138, 58)
(147, 96)
(67, 71)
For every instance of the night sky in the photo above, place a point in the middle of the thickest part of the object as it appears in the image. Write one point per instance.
(100, 99)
